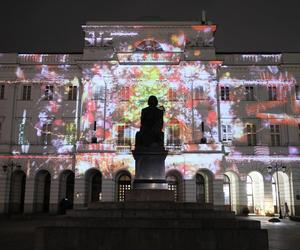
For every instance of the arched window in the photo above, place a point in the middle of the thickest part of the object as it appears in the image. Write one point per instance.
(17, 192)
(274, 195)
(149, 45)
(124, 183)
(173, 185)
(226, 191)
(250, 202)
(42, 191)
(96, 191)
(200, 189)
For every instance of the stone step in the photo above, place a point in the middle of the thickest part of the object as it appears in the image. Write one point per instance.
(149, 213)
(201, 223)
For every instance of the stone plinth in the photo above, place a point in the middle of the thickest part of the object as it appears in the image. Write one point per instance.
(150, 168)
(149, 195)
(151, 225)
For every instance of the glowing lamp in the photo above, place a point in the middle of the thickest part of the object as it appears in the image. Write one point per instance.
(283, 169)
(269, 169)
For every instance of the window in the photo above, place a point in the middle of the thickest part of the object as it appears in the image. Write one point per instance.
(275, 135)
(48, 93)
(225, 93)
(46, 134)
(200, 189)
(226, 191)
(251, 134)
(2, 87)
(272, 93)
(250, 202)
(70, 132)
(99, 93)
(124, 183)
(72, 93)
(173, 185)
(198, 93)
(299, 131)
(26, 95)
(249, 93)
(226, 133)
(125, 93)
(172, 95)
(297, 92)
(124, 135)
(173, 136)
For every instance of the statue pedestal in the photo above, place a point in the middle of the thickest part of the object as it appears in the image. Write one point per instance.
(150, 169)
(146, 195)
(150, 178)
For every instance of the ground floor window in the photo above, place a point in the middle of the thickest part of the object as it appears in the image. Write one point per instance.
(124, 183)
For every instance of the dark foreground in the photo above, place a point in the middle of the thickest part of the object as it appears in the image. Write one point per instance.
(18, 232)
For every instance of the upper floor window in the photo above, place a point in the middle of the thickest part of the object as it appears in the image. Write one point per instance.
(173, 134)
(272, 93)
(225, 93)
(198, 93)
(2, 88)
(172, 95)
(226, 133)
(99, 93)
(299, 131)
(275, 135)
(46, 133)
(0, 131)
(125, 93)
(149, 45)
(26, 95)
(72, 93)
(251, 134)
(70, 132)
(124, 135)
(297, 92)
(49, 92)
(249, 93)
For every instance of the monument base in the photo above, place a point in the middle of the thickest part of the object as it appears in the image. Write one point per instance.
(149, 195)
(151, 225)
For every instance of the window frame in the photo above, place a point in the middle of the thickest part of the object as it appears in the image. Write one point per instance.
(225, 93)
(49, 92)
(251, 132)
(26, 92)
(72, 92)
(2, 91)
(275, 135)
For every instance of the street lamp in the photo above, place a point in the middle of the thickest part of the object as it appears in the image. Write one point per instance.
(277, 167)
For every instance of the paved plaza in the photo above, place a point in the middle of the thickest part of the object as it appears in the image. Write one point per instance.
(18, 233)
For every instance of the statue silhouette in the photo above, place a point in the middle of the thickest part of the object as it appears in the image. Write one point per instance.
(150, 134)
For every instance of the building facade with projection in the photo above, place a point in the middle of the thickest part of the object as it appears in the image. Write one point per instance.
(68, 121)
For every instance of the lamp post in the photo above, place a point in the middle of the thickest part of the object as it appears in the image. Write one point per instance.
(277, 167)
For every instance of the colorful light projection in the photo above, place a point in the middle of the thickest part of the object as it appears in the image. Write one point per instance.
(54, 114)
(258, 109)
(114, 95)
(31, 164)
(110, 163)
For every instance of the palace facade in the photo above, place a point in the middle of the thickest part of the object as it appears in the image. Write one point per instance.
(68, 121)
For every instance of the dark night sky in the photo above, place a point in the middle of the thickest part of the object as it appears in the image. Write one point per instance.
(243, 26)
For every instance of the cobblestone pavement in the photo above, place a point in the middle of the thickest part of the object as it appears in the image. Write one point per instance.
(284, 235)
(18, 233)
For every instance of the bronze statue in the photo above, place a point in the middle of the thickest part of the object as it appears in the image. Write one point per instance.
(150, 134)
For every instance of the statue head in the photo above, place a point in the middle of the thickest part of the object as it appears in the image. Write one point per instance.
(152, 101)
